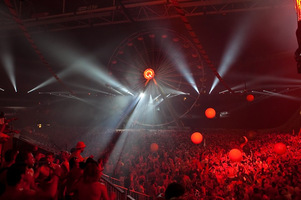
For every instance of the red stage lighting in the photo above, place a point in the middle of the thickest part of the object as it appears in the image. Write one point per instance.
(149, 74)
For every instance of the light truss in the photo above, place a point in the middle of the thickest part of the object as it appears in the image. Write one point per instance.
(126, 11)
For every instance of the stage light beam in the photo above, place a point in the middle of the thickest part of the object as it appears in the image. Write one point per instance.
(51, 80)
(10, 70)
(281, 95)
(95, 73)
(141, 95)
(181, 64)
(232, 51)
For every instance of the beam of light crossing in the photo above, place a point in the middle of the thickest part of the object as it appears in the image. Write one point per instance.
(271, 94)
(181, 64)
(168, 90)
(83, 66)
(68, 95)
(232, 51)
(281, 95)
(157, 97)
(130, 109)
(142, 109)
(45, 83)
(51, 80)
(88, 69)
(91, 89)
(94, 72)
(259, 80)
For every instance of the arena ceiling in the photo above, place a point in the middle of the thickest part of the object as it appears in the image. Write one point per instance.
(57, 52)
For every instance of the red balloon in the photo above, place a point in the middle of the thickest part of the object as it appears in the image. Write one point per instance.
(154, 147)
(235, 155)
(250, 97)
(196, 138)
(210, 113)
(280, 148)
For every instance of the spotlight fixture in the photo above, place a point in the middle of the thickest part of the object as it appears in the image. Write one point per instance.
(141, 95)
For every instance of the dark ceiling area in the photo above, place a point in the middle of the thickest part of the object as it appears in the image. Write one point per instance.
(65, 62)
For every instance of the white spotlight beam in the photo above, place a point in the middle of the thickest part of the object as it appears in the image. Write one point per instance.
(51, 80)
(281, 95)
(181, 64)
(232, 51)
(95, 73)
(45, 83)
(9, 68)
(130, 111)
(91, 89)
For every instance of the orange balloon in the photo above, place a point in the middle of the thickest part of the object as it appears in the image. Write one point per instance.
(235, 155)
(280, 148)
(196, 138)
(210, 113)
(250, 97)
(154, 147)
